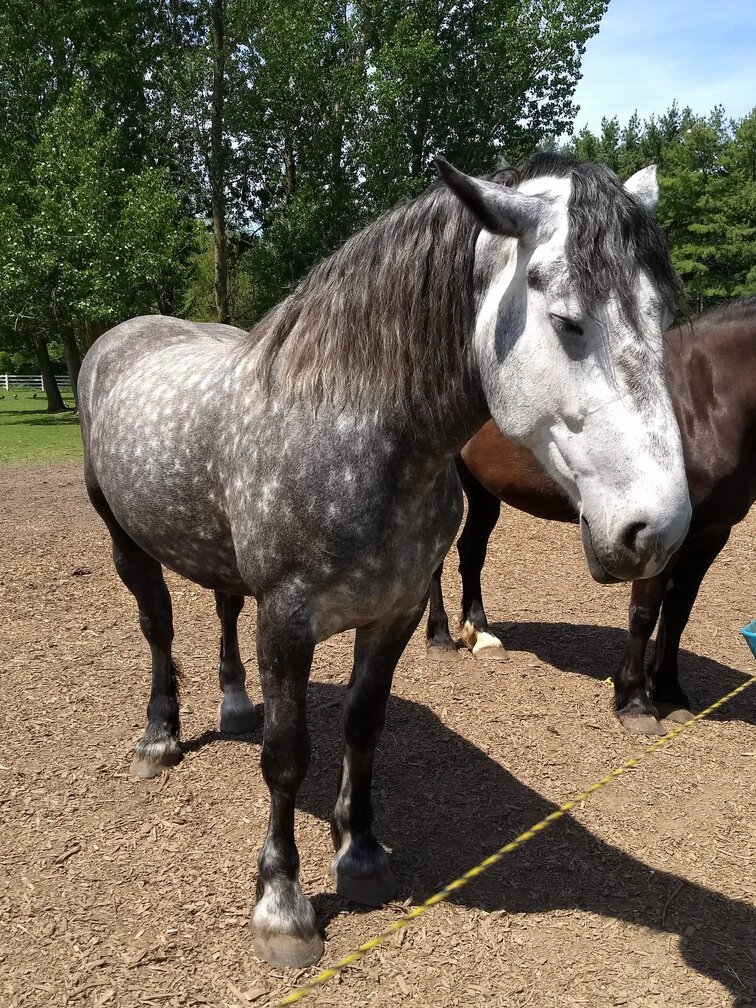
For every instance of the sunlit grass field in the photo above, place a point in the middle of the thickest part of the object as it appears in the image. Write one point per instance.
(30, 434)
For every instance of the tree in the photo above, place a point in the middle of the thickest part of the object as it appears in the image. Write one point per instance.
(337, 109)
(279, 128)
(90, 243)
(217, 160)
(707, 178)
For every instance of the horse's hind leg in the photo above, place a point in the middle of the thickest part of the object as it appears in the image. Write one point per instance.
(482, 514)
(440, 643)
(283, 921)
(158, 748)
(237, 712)
(361, 866)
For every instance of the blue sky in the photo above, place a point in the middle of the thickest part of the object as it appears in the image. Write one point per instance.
(650, 52)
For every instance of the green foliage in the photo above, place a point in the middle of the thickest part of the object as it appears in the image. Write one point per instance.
(333, 112)
(339, 109)
(707, 178)
(96, 229)
(89, 240)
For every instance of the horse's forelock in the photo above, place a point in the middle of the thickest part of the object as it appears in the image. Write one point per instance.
(611, 235)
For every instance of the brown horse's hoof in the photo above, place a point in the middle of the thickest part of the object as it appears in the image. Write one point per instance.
(444, 653)
(481, 643)
(369, 890)
(491, 652)
(679, 715)
(642, 724)
(288, 950)
(151, 758)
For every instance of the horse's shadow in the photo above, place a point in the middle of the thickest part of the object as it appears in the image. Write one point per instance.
(595, 651)
(442, 804)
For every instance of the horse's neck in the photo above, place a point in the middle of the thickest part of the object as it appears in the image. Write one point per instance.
(436, 423)
(445, 428)
(714, 394)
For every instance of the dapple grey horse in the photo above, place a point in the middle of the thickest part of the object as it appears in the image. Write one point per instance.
(310, 463)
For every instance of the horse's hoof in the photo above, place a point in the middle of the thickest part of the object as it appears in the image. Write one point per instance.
(287, 949)
(481, 643)
(642, 724)
(672, 712)
(369, 890)
(151, 758)
(493, 652)
(444, 653)
(237, 718)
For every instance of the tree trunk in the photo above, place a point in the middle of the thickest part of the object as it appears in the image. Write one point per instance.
(290, 167)
(55, 402)
(73, 359)
(217, 163)
(92, 331)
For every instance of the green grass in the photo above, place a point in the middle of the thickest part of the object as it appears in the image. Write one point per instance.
(29, 434)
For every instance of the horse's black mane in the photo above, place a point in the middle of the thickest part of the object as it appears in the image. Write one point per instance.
(395, 302)
(611, 235)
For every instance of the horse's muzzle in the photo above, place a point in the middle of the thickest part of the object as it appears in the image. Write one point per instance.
(639, 553)
(598, 572)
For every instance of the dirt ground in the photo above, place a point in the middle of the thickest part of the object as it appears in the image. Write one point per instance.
(123, 894)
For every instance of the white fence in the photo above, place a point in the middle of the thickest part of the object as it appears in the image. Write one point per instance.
(34, 381)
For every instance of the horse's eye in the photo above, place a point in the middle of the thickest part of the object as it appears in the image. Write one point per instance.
(565, 327)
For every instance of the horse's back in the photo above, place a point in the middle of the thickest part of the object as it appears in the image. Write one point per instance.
(135, 342)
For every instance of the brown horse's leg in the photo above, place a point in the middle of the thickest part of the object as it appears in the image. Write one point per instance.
(237, 712)
(441, 645)
(631, 699)
(696, 556)
(158, 748)
(482, 514)
(361, 867)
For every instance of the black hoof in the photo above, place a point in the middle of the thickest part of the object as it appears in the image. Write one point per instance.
(237, 720)
(369, 890)
(362, 872)
(444, 653)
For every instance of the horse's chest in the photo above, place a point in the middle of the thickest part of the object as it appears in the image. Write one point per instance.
(386, 572)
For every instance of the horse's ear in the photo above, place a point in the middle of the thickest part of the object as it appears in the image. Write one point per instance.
(645, 187)
(498, 208)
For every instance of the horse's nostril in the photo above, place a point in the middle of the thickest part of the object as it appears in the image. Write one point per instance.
(630, 536)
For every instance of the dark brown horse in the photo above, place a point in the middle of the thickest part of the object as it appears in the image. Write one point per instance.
(712, 379)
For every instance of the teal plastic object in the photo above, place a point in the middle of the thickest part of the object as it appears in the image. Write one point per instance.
(749, 632)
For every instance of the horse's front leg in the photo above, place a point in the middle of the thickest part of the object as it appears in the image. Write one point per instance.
(237, 712)
(285, 931)
(694, 560)
(632, 702)
(361, 865)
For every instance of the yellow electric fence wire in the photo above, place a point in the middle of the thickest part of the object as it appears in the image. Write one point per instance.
(403, 922)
